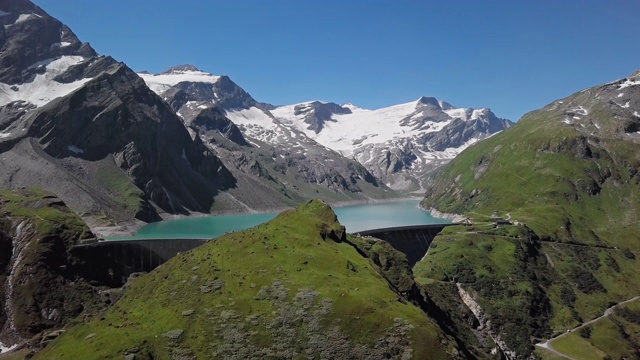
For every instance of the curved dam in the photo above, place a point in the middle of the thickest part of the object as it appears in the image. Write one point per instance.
(413, 241)
(111, 262)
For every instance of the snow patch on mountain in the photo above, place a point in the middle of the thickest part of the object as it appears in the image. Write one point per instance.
(4, 348)
(75, 149)
(260, 125)
(43, 88)
(161, 82)
(61, 44)
(627, 83)
(25, 17)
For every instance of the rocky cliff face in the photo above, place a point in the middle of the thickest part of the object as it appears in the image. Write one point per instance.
(400, 145)
(397, 146)
(30, 37)
(147, 141)
(108, 145)
(316, 113)
(40, 282)
(258, 148)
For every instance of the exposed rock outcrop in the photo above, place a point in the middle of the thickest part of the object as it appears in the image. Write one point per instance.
(41, 286)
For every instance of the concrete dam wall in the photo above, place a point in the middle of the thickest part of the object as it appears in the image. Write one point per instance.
(111, 262)
(413, 241)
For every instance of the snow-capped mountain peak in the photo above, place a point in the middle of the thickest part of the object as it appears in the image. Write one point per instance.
(181, 69)
(175, 75)
(429, 101)
(50, 66)
(399, 143)
(351, 106)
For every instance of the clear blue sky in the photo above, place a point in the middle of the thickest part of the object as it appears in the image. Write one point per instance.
(512, 55)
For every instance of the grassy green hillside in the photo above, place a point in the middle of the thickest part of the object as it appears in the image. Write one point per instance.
(568, 177)
(616, 336)
(45, 210)
(291, 288)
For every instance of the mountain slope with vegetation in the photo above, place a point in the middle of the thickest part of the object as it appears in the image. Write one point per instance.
(567, 176)
(294, 287)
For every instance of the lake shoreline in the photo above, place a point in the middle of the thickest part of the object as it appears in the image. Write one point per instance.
(130, 228)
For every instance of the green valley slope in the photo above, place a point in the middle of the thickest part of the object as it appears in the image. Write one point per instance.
(294, 287)
(568, 176)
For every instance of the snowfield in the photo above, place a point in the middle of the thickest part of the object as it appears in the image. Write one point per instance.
(393, 142)
(161, 82)
(42, 88)
(347, 132)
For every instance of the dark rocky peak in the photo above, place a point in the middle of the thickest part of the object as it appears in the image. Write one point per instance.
(458, 132)
(428, 111)
(636, 74)
(321, 108)
(29, 36)
(21, 7)
(233, 96)
(494, 123)
(183, 84)
(212, 119)
(176, 98)
(81, 119)
(224, 93)
(181, 69)
(88, 69)
(184, 92)
(116, 115)
(446, 106)
(428, 102)
(316, 113)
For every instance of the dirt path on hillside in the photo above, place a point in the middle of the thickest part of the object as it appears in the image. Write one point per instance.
(548, 344)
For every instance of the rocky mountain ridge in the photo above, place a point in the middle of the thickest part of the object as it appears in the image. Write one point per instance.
(257, 147)
(114, 151)
(399, 145)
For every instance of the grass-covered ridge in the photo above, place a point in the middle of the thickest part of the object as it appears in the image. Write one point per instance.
(565, 182)
(46, 211)
(568, 175)
(290, 288)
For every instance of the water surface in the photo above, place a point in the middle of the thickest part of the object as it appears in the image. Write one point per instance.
(354, 217)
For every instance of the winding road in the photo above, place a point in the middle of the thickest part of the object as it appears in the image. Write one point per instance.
(607, 312)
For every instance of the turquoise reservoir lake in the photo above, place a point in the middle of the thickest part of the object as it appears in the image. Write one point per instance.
(355, 218)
